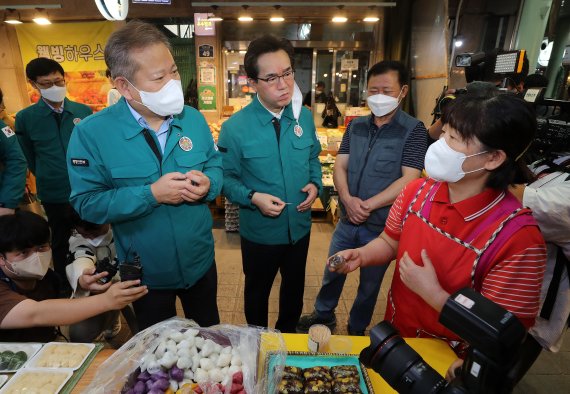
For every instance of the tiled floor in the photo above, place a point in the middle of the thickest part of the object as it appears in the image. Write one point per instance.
(550, 374)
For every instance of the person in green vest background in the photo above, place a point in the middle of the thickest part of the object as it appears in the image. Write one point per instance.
(43, 130)
(12, 170)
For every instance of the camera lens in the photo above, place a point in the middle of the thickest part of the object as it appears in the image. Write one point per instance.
(400, 366)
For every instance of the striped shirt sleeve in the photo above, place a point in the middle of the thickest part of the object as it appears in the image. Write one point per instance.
(515, 283)
(344, 148)
(415, 148)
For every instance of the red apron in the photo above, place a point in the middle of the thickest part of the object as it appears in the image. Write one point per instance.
(460, 260)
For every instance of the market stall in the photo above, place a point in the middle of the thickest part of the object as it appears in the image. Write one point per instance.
(160, 360)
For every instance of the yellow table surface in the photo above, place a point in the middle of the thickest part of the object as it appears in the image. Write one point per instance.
(435, 352)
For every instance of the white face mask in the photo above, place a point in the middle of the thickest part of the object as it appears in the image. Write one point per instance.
(297, 101)
(34, 266)
(382, 105)
(54, 94)
(97, 240)
(445, 164)
(169, 100)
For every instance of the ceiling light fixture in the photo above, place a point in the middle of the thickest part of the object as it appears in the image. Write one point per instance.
(214, 16)
(245, 17)
(372, 16)
(277, 17)
(12, 17)
(340, 17)
(41, 17)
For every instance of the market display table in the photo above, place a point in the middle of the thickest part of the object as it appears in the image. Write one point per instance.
(435, 352)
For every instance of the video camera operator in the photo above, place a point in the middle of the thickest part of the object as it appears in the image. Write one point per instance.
(482, 78)
(462, 227)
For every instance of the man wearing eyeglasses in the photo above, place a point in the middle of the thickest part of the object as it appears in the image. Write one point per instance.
(271, 169)
(43, 130)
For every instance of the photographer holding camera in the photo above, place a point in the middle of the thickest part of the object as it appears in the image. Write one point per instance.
(462, 227)
(92, 266)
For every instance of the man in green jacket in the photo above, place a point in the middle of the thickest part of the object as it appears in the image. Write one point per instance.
(43, 130)
(148, 165)
(12, 170)
(271, 169)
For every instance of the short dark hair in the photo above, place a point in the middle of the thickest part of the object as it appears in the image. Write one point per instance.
(535, 81)
(134, 35)
(76, 221)
(261, 46)
(22, 230)
(389, 65)
(42, 66)
(320, 84)
(499, 121)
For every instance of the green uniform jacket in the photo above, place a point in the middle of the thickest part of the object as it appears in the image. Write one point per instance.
(254, 161)
(111, 167)
(12, 168)
(44, 144)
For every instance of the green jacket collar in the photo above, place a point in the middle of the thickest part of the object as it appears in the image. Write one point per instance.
(265, 116)
(45, 110)
(132, 128)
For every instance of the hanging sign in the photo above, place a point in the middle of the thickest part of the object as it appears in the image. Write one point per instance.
(79, 48)
(207, 97)
(349, 64)
(207, 75)
(206, 51)
(203, 26)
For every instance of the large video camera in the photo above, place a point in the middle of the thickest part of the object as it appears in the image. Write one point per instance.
(484, 71)
(494, 336)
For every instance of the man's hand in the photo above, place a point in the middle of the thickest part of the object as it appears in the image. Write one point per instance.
(6, 211)
(268, 205)
(90, 281)
(197, 186)
(356, 209)
(353, 261)
(423, 280)
(169, 188)
(121, 294)
(312, 193)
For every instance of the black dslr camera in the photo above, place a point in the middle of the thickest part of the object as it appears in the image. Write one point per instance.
(131, 270)
(106, 265)
(493, 333)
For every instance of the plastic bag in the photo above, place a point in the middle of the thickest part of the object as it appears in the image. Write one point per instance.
(146, 354)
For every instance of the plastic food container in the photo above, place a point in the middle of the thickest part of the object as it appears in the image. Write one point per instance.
(14, 356)
(319, 336)
(35, 380)
(61, 355)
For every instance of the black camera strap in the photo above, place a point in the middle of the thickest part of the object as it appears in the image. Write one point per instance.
(152, 144)
(561, 262)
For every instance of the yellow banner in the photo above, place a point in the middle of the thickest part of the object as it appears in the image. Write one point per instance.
(78, 47)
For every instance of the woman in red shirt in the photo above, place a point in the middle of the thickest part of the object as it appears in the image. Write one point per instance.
(462, 227)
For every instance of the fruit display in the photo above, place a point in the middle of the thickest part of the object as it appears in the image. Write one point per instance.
(215, 128)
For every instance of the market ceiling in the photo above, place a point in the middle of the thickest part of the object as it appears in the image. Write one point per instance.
(292, 11)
